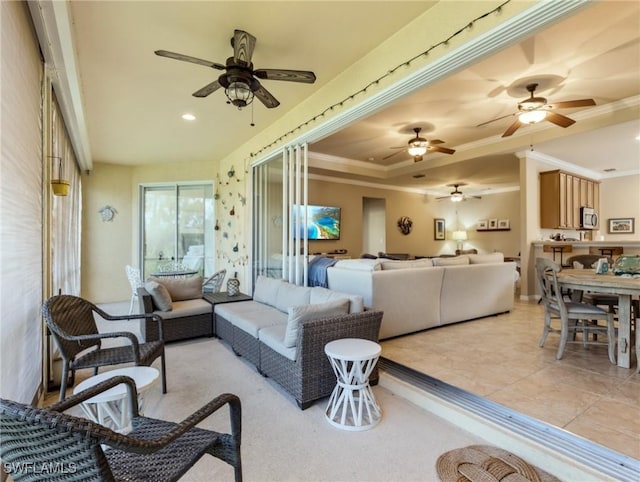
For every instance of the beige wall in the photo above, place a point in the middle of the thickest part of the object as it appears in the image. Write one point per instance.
(422, 210)
(620, 198)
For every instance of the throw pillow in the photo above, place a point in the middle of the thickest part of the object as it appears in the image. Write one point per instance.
(182, 289)
(160, 295)
(266, 290)
(300, 313)
(486, 258)
(457, 260)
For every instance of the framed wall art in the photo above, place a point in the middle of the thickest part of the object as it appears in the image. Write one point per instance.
(621, 226)
(438, 229)
(503, 224)
(493, 224)
(482, 224)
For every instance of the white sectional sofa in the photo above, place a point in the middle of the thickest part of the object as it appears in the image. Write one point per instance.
(425, 293)
(284, 328)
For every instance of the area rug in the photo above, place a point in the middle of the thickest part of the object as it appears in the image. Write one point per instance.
(484, 463)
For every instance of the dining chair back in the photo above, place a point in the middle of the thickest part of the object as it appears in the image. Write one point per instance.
(213, 284)
(575, 317)
(72, 448)
(72, 324)
(589, 261)
(135, 280)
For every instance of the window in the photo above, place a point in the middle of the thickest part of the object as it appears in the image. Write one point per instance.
(177, 227)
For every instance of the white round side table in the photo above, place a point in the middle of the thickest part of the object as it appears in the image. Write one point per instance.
(352, 405)
(111, 407)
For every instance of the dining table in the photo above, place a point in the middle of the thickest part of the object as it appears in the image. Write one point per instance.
(175, 273)
(625, 287)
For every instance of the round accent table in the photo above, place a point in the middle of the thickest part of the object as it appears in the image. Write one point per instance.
(111, 407)
(352, 405)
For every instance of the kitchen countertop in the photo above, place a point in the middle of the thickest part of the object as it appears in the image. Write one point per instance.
(586, 244)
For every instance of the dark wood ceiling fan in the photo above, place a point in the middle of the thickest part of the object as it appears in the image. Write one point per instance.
(423, 146)
(240, 79)
(536, 109)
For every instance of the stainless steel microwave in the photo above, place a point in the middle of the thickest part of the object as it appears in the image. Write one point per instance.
(588, 218)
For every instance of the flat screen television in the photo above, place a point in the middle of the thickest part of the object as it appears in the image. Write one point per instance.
(323, 222)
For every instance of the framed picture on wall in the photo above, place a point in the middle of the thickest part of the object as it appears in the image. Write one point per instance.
(493, 224)
(482, 224)
(503, 224)
(621, 226)
(438, 229)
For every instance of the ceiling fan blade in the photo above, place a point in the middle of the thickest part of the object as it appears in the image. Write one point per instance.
(559, 119)
(442, 149)
(290, 75)
(265, 97)
(496, 119)
(188, 58)
(572, 103)
(243, 44)
(435, 141)
(512, 128)
(207, 89)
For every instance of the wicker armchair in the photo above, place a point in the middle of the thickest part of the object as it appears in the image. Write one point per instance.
(71, 448)
(73, 327)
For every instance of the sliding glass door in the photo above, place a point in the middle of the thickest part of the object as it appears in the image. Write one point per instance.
(280, 184)
(177, 227)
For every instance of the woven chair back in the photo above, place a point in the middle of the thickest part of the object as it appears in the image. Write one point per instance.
(214, 282)
(134, 277)
(52, 444)
(66, 316)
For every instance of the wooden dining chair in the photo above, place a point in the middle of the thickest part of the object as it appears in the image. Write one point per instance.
(575, 317)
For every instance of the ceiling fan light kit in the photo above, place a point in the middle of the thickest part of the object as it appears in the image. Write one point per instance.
(532, 116)
(418, 145)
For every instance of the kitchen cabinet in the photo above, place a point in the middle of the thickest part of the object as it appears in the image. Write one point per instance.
(562, 194)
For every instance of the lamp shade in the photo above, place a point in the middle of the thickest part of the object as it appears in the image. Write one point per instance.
(459, 235)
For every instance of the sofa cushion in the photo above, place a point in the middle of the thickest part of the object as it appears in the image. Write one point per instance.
(159, 294)
(455, 261)
(182, 289)
(273, 337)
(266, 290)
(291, 295)
(398, 264)
(323, 295)
(486, 258)
(298, 314)
(363, 264)
(187, 308)
(253, 321)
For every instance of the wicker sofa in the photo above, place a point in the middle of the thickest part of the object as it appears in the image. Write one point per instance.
(186, 314)
(284, 329)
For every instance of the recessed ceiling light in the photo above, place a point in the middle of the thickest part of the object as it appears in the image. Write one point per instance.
(188, 117)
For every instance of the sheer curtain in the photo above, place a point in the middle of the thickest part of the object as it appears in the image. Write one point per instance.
(65, 226)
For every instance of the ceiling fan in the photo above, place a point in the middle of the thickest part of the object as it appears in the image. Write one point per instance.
(535, 109)
(457, 195)
(418, 146)
(239, 79)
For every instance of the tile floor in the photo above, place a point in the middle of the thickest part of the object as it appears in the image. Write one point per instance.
(499, 358)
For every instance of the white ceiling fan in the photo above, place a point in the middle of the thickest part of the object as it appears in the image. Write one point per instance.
(457, 195)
